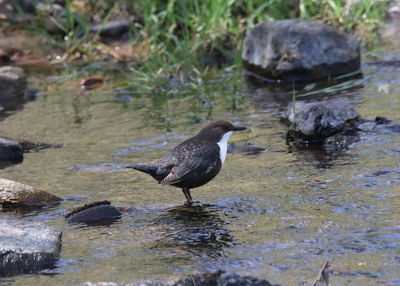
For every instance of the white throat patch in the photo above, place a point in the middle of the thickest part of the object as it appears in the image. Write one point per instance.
(223, 146)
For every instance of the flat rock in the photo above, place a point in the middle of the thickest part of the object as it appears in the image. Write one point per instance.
(299, 50)
(11, 151)
(15, 194)
(27, 247)
(12, 81)
(316, 121)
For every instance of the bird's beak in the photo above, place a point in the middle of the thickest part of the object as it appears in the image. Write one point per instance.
(238, 128)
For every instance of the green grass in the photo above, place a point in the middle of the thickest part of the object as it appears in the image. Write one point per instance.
(363, 17)
(182, 35)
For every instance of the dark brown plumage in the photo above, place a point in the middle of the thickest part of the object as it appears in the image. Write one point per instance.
(195, 161)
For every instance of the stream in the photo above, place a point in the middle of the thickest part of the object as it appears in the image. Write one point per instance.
(278, 215)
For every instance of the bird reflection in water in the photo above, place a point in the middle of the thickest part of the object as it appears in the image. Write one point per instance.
(198, 230)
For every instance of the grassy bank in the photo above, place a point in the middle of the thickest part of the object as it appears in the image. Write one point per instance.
(173, 36)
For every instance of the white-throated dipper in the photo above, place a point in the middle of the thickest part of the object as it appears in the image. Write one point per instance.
(195, 161)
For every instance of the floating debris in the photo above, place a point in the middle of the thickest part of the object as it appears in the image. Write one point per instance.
(323, 275)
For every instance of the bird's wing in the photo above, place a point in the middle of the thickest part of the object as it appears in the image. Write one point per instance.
(179, 173)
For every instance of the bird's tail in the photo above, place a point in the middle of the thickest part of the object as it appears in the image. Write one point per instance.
(150, 169)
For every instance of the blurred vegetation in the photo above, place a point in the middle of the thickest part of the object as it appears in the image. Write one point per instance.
(170, 36)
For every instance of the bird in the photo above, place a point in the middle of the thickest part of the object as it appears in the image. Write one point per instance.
(194, 162)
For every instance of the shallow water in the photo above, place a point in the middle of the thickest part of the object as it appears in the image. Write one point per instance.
(278, 215)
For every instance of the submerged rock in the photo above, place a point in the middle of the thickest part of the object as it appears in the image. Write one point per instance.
(316, 121)
(299, 50)
(94, 213)
(245, 149)
(11, 151)
(15, 194)
(31, 146)
(31, 93)
(12, 81)
(218, 278)
(380, 125)
(27, 247)
(384, 124)
(341, 140)
(4, 58)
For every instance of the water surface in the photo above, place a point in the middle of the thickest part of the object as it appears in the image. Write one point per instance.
(278, 215)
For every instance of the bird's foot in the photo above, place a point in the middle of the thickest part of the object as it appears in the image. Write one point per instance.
(193, 204)
(188, 204)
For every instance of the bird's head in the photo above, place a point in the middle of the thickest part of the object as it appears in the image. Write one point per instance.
(216, 130)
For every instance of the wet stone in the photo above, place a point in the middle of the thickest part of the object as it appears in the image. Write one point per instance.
(10, 151)
(384, 124)
(299, 50)
(316, 121)
(245, 149)
(12, 81)
(57, 11)
(218, 278)
(28, 6)
(15, 194)
(31, 146)
(30, 94)
(4, 58)
(341, 140)
(94, 213)
(112, 29)
(381, 125)
(27, 247)
(124, 98)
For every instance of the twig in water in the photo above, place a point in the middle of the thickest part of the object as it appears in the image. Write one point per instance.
(323, 275)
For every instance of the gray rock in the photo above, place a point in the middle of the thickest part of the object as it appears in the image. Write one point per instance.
(27, 247)
(112, 29)
(15, 194)
(341, 140)
(218, 278)
(12, 81)
(32, 146)
(28, 6)
(57, 15)
(245, 149)
(10, 151)
(4, 57)
(299, 50)
(96, 213)
(112, 284)
(124, 98)
(316, 121)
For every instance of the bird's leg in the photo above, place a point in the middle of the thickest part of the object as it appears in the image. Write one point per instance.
(186, 192)
(190, 195)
